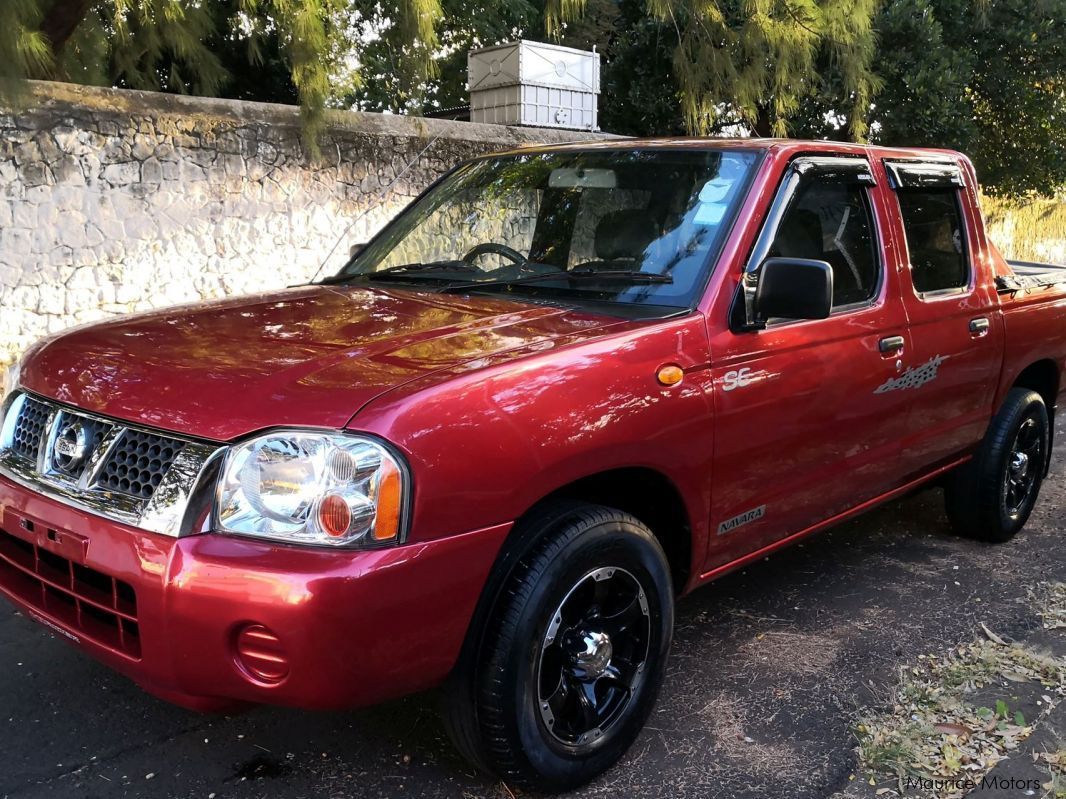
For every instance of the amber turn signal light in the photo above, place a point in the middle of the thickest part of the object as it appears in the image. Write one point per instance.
(670, 375)
(334, 515)
(389, 497)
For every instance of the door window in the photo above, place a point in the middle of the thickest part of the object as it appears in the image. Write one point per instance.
(831, 221)
(936, 243)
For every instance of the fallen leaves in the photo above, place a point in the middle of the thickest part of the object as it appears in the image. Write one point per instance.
(935, 729)
(953, 729)
(1054, 607)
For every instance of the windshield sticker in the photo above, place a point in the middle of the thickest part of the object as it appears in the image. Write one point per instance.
(717, 193)
(915, 377)
(716, 189)
(710, 213)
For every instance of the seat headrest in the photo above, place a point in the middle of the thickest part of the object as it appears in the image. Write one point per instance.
(800, 235)
(624, 234)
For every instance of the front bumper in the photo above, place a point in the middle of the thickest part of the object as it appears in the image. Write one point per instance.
(353, 628)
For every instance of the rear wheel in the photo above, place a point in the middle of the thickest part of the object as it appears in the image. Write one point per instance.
(573, 654)
(991, 497)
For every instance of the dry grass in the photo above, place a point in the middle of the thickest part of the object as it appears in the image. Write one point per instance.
(1027, 230)
(727, 717)
(1056, 766)
(792, 653)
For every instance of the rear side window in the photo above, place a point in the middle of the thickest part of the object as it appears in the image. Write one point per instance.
(936, 242)
(830, 221)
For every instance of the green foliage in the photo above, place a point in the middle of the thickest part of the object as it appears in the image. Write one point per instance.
(640, 91)
(23, 50)
(306, 36)
(144, 32)
(754, 60)
(201, 46)
(667, 69)
(990, 81)
(987, 77)
(400, 74)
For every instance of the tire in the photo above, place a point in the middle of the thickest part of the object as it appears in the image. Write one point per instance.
(586, 609)
(991, 497)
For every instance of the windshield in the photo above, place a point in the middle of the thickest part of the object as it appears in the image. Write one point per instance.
(622, 226)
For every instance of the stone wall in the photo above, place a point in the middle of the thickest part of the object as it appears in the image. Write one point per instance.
(114, 201)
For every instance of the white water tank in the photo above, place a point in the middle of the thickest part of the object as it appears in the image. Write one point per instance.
(530, 83)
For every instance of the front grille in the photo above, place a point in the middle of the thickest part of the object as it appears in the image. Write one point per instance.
(137, 463)
(128, 474)
(30, 429)
(85, 601)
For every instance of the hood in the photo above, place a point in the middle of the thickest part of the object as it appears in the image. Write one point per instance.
(311, 356)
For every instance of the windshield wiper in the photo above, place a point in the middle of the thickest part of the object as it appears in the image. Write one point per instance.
(630, 276)
(436, 266)
(402, 269)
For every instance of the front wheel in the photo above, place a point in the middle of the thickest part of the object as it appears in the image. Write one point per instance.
(573, 655)
(991, 497)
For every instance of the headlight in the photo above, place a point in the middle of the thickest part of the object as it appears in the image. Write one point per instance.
(11, 377)
(313, 488)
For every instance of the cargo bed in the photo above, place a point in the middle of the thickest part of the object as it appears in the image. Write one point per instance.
(1031, 275)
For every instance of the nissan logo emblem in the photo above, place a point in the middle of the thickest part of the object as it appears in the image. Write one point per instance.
(71, 447)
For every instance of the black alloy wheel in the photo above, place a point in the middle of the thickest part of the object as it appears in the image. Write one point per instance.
(991, 497)
(593, 656)
(1024, 466)
(563, 668)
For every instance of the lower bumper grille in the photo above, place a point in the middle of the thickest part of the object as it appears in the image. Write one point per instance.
(85, 601)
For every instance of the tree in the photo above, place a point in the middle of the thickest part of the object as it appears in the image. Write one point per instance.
(755, 60)
(187, 45)
(385, 56)
(990, 81)
(24, 50)
(641, 95)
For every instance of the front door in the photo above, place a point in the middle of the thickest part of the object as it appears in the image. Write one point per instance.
(803, 428)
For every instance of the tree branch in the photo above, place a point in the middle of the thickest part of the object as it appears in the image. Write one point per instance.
(62, 19)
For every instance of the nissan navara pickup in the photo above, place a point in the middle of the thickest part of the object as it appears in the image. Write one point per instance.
(564, 388)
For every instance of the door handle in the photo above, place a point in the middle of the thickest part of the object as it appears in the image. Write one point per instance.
(892, 345)
(980, 327)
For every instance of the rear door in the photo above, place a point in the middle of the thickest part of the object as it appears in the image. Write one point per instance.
(953, 364)
(802, 432)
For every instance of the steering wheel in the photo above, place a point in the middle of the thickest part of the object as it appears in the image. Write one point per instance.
(493, 248)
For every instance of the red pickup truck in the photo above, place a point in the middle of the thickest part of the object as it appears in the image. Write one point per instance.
(563, 388)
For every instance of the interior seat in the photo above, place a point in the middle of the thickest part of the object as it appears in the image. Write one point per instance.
(623, 236)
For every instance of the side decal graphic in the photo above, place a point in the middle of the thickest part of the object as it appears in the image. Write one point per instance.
(915, 377)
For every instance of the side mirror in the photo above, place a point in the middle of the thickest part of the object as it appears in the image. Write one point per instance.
(794, 288)
(355, 249)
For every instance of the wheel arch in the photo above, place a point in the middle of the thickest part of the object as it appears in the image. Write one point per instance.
(651, 497)
(643, 492)
(1044, 378)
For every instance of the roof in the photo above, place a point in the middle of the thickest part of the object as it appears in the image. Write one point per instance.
(793, 146)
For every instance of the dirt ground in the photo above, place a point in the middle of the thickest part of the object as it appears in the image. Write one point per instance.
(770, 668)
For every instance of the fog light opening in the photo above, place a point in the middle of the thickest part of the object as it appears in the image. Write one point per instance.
(260, 655)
